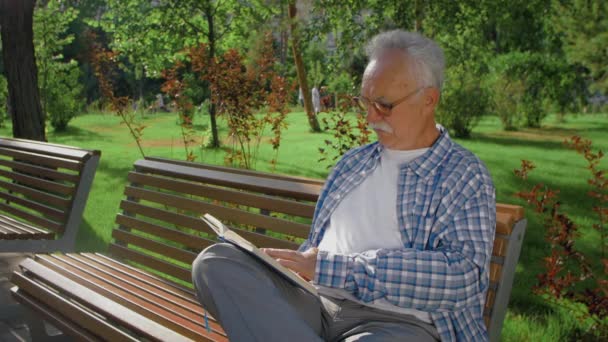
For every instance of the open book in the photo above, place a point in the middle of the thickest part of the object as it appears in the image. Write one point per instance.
(230, 236)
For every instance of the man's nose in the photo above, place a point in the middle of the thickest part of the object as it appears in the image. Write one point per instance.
(373, 115)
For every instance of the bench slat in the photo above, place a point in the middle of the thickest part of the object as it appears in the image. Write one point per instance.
(147, 277)
(44, 197)
(228, 214)
(223, 213)
(100, 304)
(164, 249)
(221, 194)
(38, 183)
(57, 215)
(504, 223)
(309, 192)
(42, 159)
(152, 262)
(515, 210)
(500, 246)
(40, 171)
(58, 150)
(119, 275)
(54, 317)
(43, 222)
(21, 230)
(298, 179)
(187, 240)
(156, 309)
(66, 308)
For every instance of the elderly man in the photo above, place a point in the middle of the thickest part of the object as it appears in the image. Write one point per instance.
(401, 240)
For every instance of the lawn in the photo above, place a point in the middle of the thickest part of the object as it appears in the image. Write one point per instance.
(530, 318)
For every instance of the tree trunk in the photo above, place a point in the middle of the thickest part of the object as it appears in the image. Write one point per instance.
(16, 20)
(215, 141)
(297, 56)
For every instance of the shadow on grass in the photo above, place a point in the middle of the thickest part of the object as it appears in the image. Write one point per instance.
(88, 240)
(77, 134)
(516, 141)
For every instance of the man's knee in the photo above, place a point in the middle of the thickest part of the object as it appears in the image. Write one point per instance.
(219, 254)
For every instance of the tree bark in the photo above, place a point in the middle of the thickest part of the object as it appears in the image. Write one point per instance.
(16, 20)
(300, 70)
(215, 141)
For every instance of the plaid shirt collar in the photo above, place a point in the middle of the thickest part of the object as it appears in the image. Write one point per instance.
(427, 164)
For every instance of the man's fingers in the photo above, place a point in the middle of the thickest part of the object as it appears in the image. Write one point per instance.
(292, 265)
(283, 253)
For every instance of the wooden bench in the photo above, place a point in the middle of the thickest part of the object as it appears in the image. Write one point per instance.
(43, 191)
(144, 290)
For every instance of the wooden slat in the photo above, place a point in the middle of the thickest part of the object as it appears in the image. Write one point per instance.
(147, 277)
(153, 246)
(298, 179)
(40, 171)
(43, 197)
(186, 308)
(228, 195)
(158, 310)
(231, 214)
(500, 246)
(504, 223)
(53, 213)
(42, 159)
(38, 183)
(154, 263)
(307, 192)
(46, 148)
(65, 306)
(495, 272)
(13, 229)
(133, 279)
(188, 240)
(48, 224)
(515, 210)
(490, 297)
(51, 315)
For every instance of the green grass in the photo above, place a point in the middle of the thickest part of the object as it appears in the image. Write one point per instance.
(530, 318)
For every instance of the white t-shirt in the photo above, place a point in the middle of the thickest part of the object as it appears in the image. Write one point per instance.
(366, 219)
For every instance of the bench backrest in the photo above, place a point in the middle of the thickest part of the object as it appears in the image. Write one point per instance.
(160, 228)
(39, 185)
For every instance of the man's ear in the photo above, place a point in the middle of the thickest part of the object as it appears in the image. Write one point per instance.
(431, 97)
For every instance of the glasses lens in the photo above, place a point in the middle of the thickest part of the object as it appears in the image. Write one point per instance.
(382, 109)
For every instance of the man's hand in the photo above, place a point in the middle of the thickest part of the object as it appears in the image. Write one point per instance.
(302, 263)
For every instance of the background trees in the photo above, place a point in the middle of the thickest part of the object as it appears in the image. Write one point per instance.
(516, 59)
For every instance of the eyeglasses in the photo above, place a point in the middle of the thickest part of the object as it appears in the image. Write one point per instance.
(384, 109)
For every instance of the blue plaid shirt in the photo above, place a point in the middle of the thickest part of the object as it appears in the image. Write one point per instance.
(446, 209)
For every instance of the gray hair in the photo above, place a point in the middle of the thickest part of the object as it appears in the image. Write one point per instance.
(424, 53)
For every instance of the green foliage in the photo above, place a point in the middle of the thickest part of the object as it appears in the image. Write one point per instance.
(506, 98)
(583, 25)
(58, 80)
(3, 99)
(464, 99)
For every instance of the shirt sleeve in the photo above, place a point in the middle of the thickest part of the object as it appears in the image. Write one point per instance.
(446, 278)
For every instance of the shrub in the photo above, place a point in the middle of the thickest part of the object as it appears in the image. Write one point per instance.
(568, 278)
(463, 101)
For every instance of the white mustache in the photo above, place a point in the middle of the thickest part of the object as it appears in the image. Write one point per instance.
(381, 126)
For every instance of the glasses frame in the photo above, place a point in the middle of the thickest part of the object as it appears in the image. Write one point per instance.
(384, 109)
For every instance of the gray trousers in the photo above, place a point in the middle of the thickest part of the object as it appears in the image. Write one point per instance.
(254, 303)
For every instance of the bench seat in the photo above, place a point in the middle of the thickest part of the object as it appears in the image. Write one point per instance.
(144, 290)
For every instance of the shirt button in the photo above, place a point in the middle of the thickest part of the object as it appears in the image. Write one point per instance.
(363, 173)
(337, 196)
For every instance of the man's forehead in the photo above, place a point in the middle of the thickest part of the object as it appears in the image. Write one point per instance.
(387, 69)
